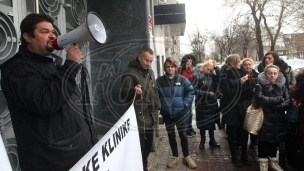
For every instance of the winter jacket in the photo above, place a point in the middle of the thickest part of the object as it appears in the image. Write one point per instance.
(146, 105)
(231, 89)
(46, 107)
(247, 94)
(206, 107)
(176, 95)
(190, 74)
(297, 95)
(275, 100)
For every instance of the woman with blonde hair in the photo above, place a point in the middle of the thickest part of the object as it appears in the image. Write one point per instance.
(232, 82)
(272, 95)
(247, 96)
(206, 105)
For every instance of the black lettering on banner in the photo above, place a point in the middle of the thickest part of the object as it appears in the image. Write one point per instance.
(105, 151)
(128, 123)
(118, 136)
(111, 148)
(86, 168)
(124, 128)
(107, 148)
(114, 140)
(122, 133)
(94, 162)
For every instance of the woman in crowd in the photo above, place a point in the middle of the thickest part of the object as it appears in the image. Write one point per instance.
(231, 86)
(298, 94)
(188, 70)
(247, 95)
(272, 57)
(272, 95)
(206, 105)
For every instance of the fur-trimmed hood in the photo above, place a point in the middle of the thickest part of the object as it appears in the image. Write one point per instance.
(278, 84)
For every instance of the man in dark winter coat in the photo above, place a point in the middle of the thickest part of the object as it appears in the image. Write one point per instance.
(52, 124)
(176, 94)
(139, 82)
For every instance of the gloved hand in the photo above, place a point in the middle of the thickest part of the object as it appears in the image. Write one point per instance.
(277, 107)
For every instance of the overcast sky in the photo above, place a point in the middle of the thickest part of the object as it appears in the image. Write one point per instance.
(204, 14)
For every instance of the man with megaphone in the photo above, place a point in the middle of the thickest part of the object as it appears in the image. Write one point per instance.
(50, 115)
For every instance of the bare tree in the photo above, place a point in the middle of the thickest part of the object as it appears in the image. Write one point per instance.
(296, 13)
(262, 11)
(227, 42)
(198, 41)
(257, 9)
(244, 34)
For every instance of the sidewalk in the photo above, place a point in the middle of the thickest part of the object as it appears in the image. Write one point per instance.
(209, 159)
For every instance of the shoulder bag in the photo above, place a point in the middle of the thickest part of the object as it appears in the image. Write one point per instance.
(253, 119)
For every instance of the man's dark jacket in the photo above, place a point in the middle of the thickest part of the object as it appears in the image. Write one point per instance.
(146, 105)
(45, 104)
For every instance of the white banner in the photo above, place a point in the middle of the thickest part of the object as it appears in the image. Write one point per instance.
(118, 150)
(5, 164)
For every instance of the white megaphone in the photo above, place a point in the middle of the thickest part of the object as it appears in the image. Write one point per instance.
(92, 29)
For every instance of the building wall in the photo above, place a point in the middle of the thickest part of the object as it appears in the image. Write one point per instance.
(127, 28)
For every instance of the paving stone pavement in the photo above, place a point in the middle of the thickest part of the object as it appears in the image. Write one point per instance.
(208, 159)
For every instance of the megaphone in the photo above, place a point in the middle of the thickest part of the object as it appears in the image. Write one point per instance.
(92, 29)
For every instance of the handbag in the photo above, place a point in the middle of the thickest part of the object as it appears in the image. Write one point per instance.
(253, 119)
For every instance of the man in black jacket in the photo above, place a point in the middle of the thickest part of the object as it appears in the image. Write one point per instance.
(139, 82)
(50, 116)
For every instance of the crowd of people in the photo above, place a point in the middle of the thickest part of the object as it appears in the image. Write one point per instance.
(222, 96)
(51, 114)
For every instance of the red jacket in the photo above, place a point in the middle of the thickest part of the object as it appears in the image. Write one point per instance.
(186, 73)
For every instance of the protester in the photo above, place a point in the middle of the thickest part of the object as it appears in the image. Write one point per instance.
(206, 105)
(139, 82)
(247, 95)
(298, 94)
(272, 57)
(272, 95)
(188, 70)
(176, 94)
(290, 79)
(50, 116)
(231, 86)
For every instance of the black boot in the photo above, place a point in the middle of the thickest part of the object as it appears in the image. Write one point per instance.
(202, 145)
(190, 132)
(235, 160)
(213, 143)
(245, 160)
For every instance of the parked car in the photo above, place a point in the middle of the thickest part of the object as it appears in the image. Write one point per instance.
(297, 68)
(199, 65)
(255, 66)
